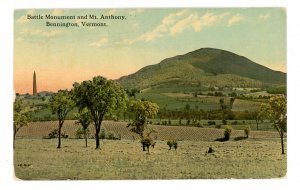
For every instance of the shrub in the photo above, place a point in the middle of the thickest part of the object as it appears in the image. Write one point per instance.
(198, 124)
(227, 132)
(211, 123)
(224, 121)
(112, 136)
(54, 134)
(80, 132)
(164, 123)
(64, 135)
(218, 126)
(175, 144)
(188, 122)
(247, 131)
(146, 142)
(172, 143)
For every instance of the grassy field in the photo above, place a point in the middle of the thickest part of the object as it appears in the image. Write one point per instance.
(256, 157)
(123, 159)
(178, 100)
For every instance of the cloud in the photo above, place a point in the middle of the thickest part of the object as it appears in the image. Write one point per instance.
(183, 24)
(177, 22)
(264, 17)
(99, 43)
(235, 19)
(196, 22)
(159, 31)
(23, 19)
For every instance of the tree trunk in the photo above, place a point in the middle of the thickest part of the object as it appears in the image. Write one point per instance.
(282, 144)
(59, 132)
(14, 138)
(85, 136)
(97, 137)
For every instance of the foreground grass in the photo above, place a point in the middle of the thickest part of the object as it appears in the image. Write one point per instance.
(39, 159)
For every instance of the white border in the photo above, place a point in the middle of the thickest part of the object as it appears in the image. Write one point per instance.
(6, 80)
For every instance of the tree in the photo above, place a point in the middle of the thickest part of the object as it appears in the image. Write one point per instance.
(84, 119)
(142, 111)
(100, 96)
(276, 111)
(132, 92)
(223, 107)
(21, 118)
(61, 104)
(257, 115)
(226, 108)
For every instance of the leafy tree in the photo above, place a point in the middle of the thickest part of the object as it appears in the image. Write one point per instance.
(226, 108)
(21, 118)
(187, 107)
(132, 92)
(142, 110)
(84, 119)
(61, 104)
(100, 96)
(276, 111)
(223, 107)
(257, 116)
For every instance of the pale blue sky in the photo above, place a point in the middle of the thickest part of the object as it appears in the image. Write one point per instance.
(146, 37)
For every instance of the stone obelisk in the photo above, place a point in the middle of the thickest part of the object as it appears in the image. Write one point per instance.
(34, 89)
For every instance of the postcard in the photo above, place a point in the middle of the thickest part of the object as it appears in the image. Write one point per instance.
(164, 93)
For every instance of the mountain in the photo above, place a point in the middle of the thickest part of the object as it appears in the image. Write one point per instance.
(204, 67)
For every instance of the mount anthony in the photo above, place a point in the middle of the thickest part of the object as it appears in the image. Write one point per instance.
(204, 67)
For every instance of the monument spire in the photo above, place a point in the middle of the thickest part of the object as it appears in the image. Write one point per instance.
(34, 89)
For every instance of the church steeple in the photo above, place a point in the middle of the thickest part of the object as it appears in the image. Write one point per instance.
(34, 89)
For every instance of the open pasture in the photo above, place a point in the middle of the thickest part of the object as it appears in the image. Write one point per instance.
(39, 159)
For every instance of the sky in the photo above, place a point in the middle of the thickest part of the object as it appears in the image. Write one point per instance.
(61, 56)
